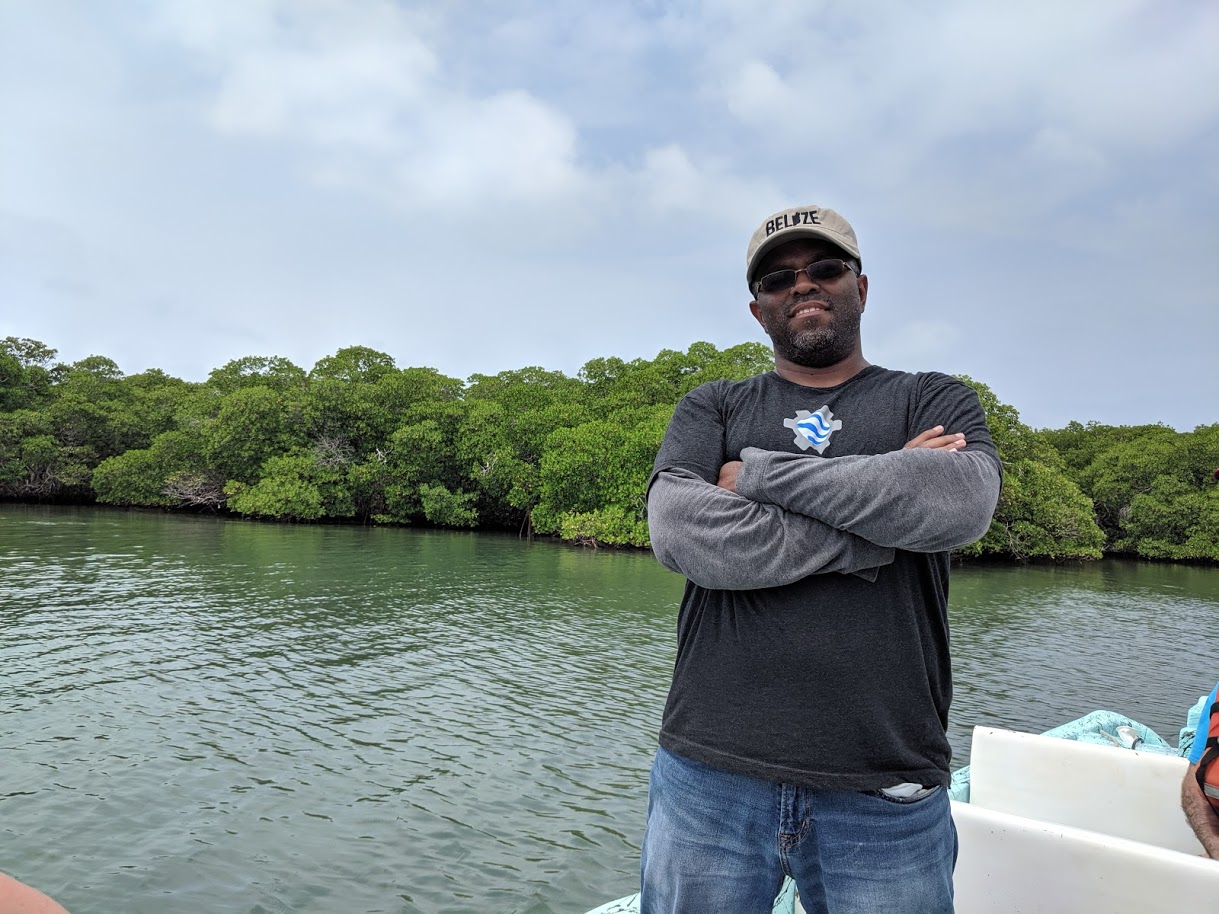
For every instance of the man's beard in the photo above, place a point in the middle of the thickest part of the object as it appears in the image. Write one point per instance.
(817, 347)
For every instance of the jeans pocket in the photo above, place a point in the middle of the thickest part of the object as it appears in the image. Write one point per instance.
(917, 797)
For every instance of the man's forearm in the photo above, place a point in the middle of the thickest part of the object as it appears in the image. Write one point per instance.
(1199, 813)
(916, 499)
(722, 541)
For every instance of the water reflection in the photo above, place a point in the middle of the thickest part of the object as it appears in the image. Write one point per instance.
(211, 716)
(1035, 646)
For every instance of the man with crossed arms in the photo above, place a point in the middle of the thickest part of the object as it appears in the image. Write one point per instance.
(812, 510)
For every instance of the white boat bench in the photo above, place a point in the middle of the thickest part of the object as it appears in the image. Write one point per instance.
(1061, 826)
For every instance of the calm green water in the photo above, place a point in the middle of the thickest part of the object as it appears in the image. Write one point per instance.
(213, 716)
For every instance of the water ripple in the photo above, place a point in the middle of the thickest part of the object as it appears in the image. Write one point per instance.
(210, 716)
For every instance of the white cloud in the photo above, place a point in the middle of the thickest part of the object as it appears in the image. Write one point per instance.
(505, 147)
(311, 173)
(347, 94)
(980, 107)
(671, 182)
(759, 96)
(671, 179)
(357, 83)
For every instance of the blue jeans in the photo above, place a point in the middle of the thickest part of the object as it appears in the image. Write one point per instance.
(721, 843)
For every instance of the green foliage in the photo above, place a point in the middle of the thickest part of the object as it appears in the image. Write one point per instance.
(15, 428)
(22, 385)
(364, 414)
(293, 487)
(502, 436)
(357, 437)
(36, 464)
(132, 478)
(272, 372)
(152, 401)
(415, 394)
(354, 364)
(12, 384)
(97, 366)
(29, 353)
(417, 455)
(1173, 521)
(1151, 486)
(1042, 514)
(90, 407)
(41, 468)
(1126, 467)
(612, 526)
(252, 425)
(448, 509)
(598, 472)
(142, 476)
(671, 375)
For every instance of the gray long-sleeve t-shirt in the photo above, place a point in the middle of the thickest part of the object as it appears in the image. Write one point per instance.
(813, 633)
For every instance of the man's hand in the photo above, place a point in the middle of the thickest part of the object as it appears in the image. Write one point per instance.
(934, 439)
(728, 474)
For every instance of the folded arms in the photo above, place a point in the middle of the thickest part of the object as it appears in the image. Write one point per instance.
(792, 515)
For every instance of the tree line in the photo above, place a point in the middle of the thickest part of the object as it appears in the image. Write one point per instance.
(356, 438)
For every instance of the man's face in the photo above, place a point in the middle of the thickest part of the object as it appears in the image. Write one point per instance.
(814, 324)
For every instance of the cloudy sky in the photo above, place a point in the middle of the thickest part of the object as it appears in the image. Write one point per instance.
(478, 186)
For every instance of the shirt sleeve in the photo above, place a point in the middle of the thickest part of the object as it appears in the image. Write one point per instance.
(918, 500)
(721, 541)
(694, 440)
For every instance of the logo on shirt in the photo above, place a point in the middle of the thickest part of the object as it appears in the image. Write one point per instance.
(813, 430)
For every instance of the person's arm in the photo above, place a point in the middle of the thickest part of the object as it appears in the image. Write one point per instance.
(1199, 813)
(939, 492)
(19, 898)
(721, 541)
(918, 499)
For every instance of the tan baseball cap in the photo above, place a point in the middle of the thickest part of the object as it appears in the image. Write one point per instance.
(809, 221)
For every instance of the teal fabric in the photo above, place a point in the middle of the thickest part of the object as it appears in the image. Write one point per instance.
(1100, 728)
(958, 789)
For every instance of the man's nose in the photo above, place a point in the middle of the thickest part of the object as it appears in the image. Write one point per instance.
(804, 282)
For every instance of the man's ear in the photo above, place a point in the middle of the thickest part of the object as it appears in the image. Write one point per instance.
(756, 310)
(862, 281)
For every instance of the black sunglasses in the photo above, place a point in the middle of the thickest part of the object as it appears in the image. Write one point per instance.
(818, 271)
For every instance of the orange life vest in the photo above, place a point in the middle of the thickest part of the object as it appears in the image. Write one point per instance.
(1208, 771)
